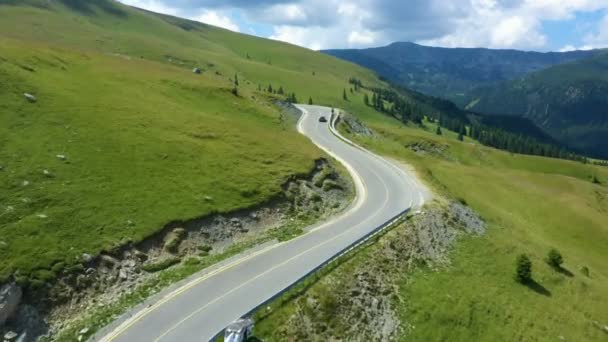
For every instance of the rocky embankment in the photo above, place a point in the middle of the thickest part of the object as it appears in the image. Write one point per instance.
(99, 280)
(356, 301)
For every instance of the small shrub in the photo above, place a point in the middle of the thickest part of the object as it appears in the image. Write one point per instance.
(58, 267)
(523, 269)
(161, 265)
(331, 185)
(173, 239)
(205, 248)
(191, 261)
(315, 197)
(73, 269)
(554, 258)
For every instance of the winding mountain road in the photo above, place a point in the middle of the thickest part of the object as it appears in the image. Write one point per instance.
(204, 305)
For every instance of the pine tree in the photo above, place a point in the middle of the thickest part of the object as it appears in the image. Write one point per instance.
(235, 91)
(310, 100)
(374, 100)
(280, 91)
(523, 269)
(366, 99)
(460, 136)
(344, 95)
(236, 80)
(438, 131)
(270, 88)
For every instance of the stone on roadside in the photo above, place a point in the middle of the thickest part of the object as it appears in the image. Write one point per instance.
(31, 98)
(10, 297)
(10, 336)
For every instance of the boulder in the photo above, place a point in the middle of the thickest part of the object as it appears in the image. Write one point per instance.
(10, 297)
(10, 336)
(87, 257)
(196, 70)
(61, 157)
(31, 98)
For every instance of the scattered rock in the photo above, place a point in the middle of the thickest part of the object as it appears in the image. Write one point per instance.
(86, 257)
(208, 198)
(42, 216)
(108, 261)
(10, 297)
(31, 98)
(84, 331)
(122, 274)
(47, 173)
(25, 183)
(61, 157)
(235, 222)
(196, 70)
(605, 329)
(10, 336)
(1, 167)
(130, 223)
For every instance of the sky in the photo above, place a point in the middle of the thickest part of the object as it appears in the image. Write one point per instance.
(539, 25)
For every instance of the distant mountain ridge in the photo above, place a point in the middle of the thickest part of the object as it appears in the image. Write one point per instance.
(568, 101)
(452, 72)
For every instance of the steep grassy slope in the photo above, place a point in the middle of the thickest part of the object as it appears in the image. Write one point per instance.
(530, 204)
(146, 140)
(568, 101)
(451, 72)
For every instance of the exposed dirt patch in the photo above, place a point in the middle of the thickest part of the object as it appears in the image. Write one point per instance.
(99, 280)
(428, 147)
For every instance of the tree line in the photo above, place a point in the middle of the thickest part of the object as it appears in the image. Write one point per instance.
(390, 102)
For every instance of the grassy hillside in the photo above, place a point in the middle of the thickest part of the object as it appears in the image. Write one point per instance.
(146, 141)
(530, 204)
(568, 101)
(451, 72)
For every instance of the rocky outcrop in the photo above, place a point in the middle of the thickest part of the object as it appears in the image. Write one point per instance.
(355, 302)
(355, 126)
(99, 280)
(10, 297)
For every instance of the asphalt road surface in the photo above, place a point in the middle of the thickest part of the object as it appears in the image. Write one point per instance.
(205, 305)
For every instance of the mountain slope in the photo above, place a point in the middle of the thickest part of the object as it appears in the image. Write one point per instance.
(145, 140)
(567, 101)
(448, 72)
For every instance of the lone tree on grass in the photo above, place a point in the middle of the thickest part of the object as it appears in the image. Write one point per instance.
(555, 259)
(438, 131)
(310, 100)
(523, 270)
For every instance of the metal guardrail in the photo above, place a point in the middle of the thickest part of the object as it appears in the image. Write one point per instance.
(334, 117)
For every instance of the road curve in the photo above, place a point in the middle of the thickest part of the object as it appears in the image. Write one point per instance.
(202, 307)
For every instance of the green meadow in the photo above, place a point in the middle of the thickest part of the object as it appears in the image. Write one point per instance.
(145, 141)
(531, 204)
